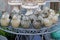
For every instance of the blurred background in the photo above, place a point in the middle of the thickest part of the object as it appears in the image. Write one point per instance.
(55, 5)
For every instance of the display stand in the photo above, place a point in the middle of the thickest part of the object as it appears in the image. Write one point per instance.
(28, 32)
